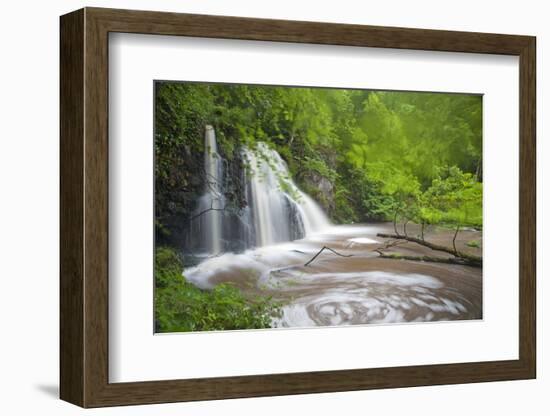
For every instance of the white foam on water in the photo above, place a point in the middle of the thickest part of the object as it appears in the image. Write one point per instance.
(419, 281)
(361, 240)
(261, 261)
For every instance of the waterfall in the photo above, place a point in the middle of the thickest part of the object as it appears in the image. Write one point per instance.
(210, 204)
(280, 210)
(276, 209)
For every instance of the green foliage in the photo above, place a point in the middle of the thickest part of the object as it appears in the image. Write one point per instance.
(360, 197)
(319, 167)
(456, 197)
(345, 212)
(168, 268)
(180, 306)
(382, 151)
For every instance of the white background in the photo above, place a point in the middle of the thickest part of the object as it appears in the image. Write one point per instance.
(136, 355)
(29, 217)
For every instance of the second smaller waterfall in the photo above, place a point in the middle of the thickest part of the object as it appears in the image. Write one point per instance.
(212, 202)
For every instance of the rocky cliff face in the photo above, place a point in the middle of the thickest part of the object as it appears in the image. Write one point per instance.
(318, 180)
(321, 189)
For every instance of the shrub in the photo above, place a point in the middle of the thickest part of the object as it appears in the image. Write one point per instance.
(180, 306)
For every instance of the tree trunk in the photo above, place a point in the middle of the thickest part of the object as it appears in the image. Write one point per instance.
(469, 257)
(395, 222)
(454, 238)
(479, 169)
(422, 230)
(446, 260)
(405, 228)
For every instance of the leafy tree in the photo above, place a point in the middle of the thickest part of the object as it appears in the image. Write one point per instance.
(456, 198)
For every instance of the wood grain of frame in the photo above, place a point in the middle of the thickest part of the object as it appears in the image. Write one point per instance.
(84, 217)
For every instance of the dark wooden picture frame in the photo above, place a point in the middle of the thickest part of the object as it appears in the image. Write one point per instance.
(84, 207)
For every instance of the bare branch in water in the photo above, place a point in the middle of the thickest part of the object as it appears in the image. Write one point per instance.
(329, 249)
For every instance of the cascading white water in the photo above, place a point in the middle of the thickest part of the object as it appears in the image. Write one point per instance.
(212, 201)
(276, 209)
(280, 210)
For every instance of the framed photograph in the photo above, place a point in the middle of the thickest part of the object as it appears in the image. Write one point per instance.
(255, 207)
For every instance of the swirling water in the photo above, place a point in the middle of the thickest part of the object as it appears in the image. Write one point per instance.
(335, 291)
(281, 228)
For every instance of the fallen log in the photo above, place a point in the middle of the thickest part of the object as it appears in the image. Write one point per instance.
(437, 247)
(446, 260)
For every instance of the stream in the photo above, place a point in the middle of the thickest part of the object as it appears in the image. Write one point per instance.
(362, 289)
(263, 250)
